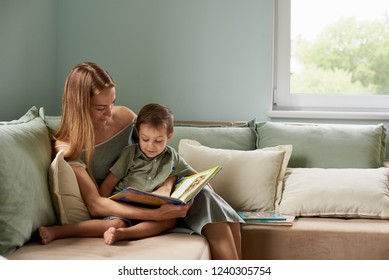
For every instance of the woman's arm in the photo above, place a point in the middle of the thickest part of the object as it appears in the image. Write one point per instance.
(102, 206)
(108, 185)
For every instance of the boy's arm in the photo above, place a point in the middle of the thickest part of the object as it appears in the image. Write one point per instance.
(166, 187)
(108, 185)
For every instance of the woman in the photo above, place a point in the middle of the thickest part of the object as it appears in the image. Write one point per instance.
(90, 121)
(92, 133)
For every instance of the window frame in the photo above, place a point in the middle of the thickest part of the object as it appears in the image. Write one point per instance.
(284, 104)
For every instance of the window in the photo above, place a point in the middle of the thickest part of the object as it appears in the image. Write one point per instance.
(331, 59)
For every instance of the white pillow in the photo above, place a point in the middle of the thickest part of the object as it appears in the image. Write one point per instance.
(65, 194)
(248, 180)
(350, 193)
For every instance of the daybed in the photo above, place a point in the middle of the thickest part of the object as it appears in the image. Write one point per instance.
(330, 176)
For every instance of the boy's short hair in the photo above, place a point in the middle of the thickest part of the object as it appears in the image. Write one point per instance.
(156, 115)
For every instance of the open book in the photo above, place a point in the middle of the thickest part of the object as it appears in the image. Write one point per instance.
(185, 190)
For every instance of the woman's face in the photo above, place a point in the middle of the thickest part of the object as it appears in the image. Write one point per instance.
(101, 107)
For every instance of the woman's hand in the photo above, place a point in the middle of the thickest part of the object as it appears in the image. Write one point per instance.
(171, 211)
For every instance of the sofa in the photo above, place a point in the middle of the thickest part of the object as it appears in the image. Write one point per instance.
(332, 177)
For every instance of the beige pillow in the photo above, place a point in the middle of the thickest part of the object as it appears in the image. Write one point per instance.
(248, 180)
(65, 194)
(350, 193)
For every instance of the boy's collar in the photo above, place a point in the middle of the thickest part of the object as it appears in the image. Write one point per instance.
(139, 153)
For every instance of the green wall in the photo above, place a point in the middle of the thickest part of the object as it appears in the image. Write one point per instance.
(27, 56)
(206, 59)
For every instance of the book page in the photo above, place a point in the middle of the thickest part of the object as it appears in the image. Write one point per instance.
(191, 185)
(188, 187)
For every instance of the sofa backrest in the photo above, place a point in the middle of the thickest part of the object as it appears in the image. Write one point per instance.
(327, 145)
(314, 145)
(223, 137)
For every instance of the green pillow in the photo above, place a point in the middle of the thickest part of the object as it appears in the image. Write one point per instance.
(52, 122)
(227, 137)
(327, 145)
(25, 156)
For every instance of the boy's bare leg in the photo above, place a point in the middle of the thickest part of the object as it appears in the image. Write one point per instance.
(138, 231)
(88, 228)
(222, 241)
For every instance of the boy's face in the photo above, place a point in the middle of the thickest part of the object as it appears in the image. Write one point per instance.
(152, 141)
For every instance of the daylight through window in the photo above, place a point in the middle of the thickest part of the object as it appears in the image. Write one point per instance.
(332, 55)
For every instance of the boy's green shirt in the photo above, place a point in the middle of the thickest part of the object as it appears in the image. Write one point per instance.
(138, 171)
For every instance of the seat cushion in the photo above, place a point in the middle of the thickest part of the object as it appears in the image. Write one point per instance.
(318, 239)
(169, 246)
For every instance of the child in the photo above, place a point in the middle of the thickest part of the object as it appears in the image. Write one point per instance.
(145, 166)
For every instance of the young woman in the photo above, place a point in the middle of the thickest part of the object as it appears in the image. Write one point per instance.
(92, 133)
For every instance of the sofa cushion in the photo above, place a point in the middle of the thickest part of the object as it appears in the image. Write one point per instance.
(350, 193)
(327, 145)
(224, 137)
(52, 123)
(167, 246)
(25, 204)
(248, 180)
(65, 193)
(318, 239)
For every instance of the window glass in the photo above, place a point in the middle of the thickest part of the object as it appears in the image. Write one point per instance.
(332, 55)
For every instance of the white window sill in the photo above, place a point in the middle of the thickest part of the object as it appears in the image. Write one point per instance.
(329, 115)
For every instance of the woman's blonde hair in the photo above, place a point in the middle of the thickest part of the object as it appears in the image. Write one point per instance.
(84, 81)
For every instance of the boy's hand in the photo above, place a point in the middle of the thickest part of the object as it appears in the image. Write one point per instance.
(162, 191)
(166, 187)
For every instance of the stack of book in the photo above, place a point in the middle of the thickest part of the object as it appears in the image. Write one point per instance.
(266, 218)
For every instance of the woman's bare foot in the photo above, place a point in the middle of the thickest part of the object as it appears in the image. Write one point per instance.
(46, 235)
(111, 236)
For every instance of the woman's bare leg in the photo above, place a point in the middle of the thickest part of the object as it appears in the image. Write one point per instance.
(235, 229)
(222, 241)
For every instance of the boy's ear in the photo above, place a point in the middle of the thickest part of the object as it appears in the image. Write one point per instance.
(169, 136)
